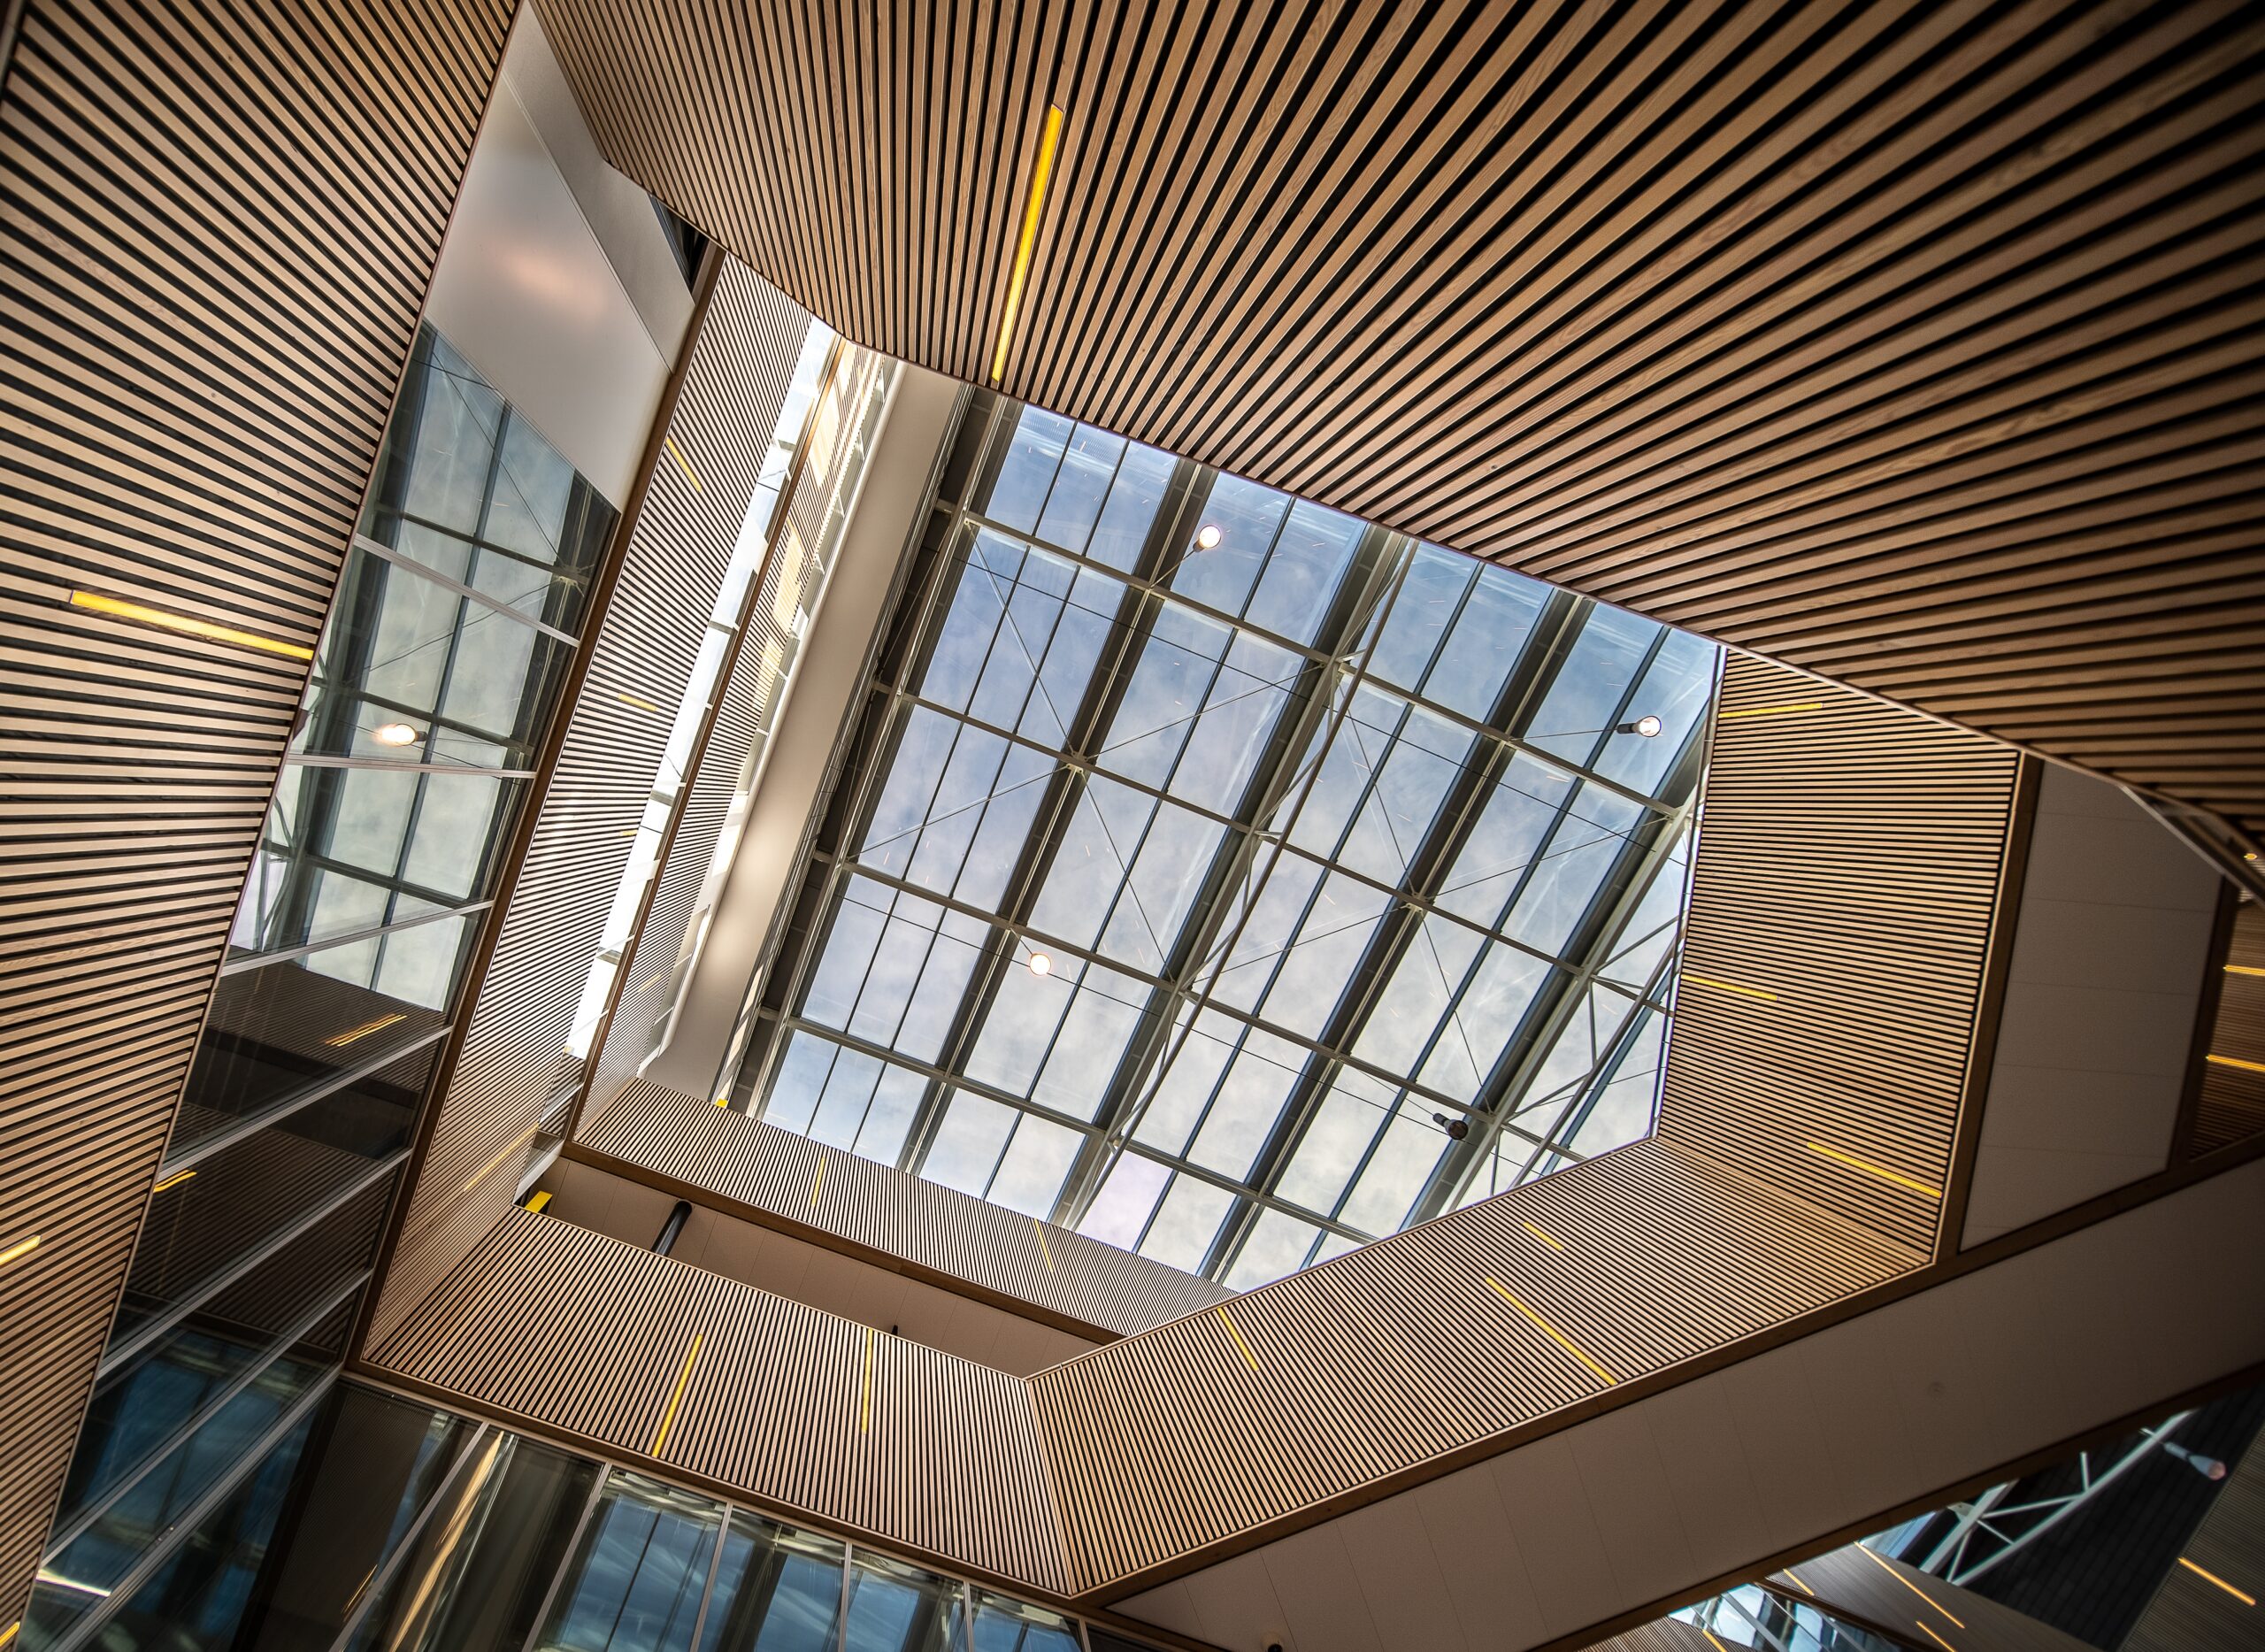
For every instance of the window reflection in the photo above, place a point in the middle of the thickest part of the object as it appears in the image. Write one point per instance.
(1318, 829)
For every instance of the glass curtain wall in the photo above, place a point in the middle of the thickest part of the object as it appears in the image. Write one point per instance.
(1228, 877)
(437, 673)
(370, 1522)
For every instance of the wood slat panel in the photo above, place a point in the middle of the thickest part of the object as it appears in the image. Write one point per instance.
(813, 1416)
(2231, 1107)
(1388, 1361)
(1843, 900)
(217, 227)
(774, 1177)
(790, 577)
(1911, 1608)
(513, 1058)
(2189, 1610)
(1914, 345)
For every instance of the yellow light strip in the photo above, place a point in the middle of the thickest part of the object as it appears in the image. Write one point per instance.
(2229, 1061)
(21, 1247)
(1798, 1583)
(1249, 1358)
(1907, 1583)
(817, 1180)
(682, 464)
(540, 1202)
(1775, 711)
(1049, 137)
(509, 1148)
(118, 608)
(1038, 1227)
(676, 1397)
(1539, 1235)
(341, 1040)
(1711, 1641)
(173, 1181)
(1750, 992)
(2242, 969)
(865, 1423)
(1880, 1171)
(1550, 1330)
(1933, 1636)
(2212, 1577)
(9, 1634)
(723, 1101)
(642, 706)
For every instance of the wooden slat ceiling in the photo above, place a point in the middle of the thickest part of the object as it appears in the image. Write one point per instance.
(511, 1057)
(786, 1180)
(217, 227)
(1844, 909)
(1913, 345)
(638, 1355)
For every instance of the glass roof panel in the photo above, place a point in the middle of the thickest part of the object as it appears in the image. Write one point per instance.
(1229, 879)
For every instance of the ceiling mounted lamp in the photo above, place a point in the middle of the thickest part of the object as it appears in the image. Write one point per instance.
(1041, 964)
(1456, 1128)
(395, 735)
(1647, 725)
(1207, 536)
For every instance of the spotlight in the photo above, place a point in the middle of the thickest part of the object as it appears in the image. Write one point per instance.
(1207, 536)
(1041, 964)
(1647, 725)
(1456, 1128)
(395, 735)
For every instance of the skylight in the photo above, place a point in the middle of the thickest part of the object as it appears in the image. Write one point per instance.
(1228, 877)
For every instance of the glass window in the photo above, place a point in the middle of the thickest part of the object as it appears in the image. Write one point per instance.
(638, 1573)
(896, 1608)
(1269, 841)
(481, 1569)
(219, 1556)
(777, 1589)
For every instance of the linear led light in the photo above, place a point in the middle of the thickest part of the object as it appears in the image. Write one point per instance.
(2234, 1061)
(1048, 138)
(682, 464)
(1553, 1243)
(1249, 1358)
(340, 1040)
(173, 1181)
(1914, 1587)
(1880, 1171)
(1044, 1249)
(2242, 969)
(21, 1247)
(118, 608)
(676, 1396)
(509, 1148)
(1766, 995)
(1550, 1330)
(2212, 1577)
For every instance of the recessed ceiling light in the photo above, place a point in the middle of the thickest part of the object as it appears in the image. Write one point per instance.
(395, 735)
(1207, 536)
(1041, 964)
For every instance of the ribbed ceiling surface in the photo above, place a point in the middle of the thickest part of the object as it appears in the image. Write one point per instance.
(1914, 345)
